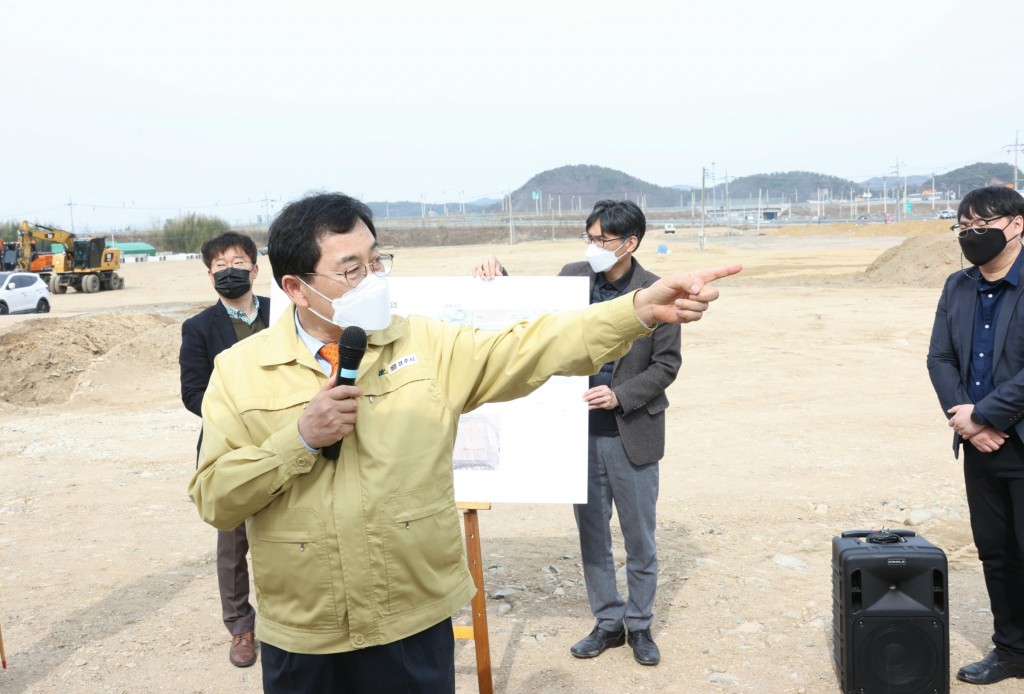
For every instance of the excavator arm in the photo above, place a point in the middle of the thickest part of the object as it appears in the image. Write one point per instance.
(28, 234)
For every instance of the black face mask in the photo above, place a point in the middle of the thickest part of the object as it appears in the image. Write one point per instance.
(232, 282)
(983, 248)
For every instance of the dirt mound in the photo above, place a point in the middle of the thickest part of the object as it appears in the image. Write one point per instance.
(923, 261)
(47, 361)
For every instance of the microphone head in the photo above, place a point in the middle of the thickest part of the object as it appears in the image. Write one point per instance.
(352, 337)
(351, 346)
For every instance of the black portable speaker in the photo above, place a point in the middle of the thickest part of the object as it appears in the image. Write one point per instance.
(890, 613)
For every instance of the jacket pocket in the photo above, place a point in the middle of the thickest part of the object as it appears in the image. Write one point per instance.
(291, 569)
(423, 553)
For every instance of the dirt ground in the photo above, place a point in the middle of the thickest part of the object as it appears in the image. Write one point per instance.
(803, 409)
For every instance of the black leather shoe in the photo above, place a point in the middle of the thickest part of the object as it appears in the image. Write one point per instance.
(598, 642)
(645, 651)
(989, 670)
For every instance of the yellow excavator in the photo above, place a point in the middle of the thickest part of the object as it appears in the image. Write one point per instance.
(87, 265)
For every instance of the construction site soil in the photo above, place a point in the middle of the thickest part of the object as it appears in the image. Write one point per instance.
(803, 409)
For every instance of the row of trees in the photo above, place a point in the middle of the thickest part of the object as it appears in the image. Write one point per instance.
(9, 230)
(188, 233)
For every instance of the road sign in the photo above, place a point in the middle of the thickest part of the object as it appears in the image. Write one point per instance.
(536, 195)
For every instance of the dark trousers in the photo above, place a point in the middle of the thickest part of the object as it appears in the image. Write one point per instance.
(423, 662)
(633, 490)
(995, 496)
(233, 580)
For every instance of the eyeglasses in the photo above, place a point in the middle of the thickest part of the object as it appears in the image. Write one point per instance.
(238, 263)
(380, 266)
(978, 226)
(601, 241)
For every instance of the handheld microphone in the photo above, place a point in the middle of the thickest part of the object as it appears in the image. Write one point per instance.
(351, 348)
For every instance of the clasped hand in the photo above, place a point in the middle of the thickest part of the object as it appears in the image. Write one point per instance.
(985, 438)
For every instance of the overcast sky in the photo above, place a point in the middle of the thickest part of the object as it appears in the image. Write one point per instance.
(135, 111)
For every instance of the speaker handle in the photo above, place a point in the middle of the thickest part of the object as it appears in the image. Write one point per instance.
(883, 536)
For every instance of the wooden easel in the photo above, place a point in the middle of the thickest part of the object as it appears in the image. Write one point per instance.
(478, 630)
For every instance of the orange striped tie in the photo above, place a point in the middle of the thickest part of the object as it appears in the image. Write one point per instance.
(330, 353)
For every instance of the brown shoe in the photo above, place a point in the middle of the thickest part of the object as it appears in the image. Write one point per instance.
(243, 649)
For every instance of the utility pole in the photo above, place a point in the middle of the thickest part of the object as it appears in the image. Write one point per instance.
(728, 207)
(898, 205)
(71, 211)
(714, 187)
(906, 199)
(1016, 148)
(266, 207)
(703, 179)
(511, 224)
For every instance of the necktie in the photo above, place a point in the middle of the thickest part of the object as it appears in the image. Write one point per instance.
(330, 353)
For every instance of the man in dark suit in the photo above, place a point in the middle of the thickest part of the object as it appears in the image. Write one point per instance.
(626, 440)
(231, 261)
(976, 364)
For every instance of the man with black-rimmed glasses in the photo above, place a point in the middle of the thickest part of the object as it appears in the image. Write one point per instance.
(231, 263)
(626, 402)
(976, 364)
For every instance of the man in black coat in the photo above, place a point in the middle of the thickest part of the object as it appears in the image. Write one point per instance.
(231, 261)
(976, 365)
(627, 404)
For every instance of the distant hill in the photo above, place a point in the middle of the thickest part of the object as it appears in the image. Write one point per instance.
(795, 186)
(579, 186)
(967, 178)
(915, 184)
(958, 181)
(589, 183)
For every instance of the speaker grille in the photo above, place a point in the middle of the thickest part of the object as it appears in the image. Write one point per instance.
(899, 657)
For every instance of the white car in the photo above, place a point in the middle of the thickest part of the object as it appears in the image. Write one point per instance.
(670, 228)
(947, 214)
(23, 292)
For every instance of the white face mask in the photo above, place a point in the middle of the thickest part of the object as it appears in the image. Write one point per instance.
(601, 259)
(367, 305)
